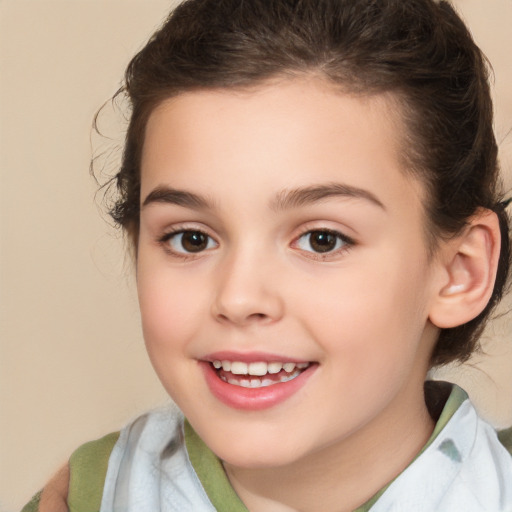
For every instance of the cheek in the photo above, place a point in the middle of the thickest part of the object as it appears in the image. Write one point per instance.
(169, 314)
(168, 309)
(372, 316)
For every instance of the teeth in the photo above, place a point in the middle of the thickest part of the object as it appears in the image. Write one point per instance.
(259, 368)
(292, 376)
(288, 367)
(274, 367)
(259, 383)
(239, 368)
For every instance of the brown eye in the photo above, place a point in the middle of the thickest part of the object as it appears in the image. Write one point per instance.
(322, 241)
(190, 242)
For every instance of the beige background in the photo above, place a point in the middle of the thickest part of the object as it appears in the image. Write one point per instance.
(72, 363)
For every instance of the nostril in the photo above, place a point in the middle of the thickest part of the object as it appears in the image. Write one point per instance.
(253, 317)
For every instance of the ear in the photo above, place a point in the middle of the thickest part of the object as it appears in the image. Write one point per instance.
(468, 265)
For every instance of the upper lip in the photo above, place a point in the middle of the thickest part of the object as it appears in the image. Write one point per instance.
(251, 357)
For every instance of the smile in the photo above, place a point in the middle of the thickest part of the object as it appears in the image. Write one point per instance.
(255, 381)
(257, 374)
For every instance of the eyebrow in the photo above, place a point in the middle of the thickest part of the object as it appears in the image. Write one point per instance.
(283, 200)
(168, 195)
(295, 198)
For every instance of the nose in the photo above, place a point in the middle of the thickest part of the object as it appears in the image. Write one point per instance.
(247, 292)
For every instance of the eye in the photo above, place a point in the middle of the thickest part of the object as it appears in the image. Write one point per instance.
(322, 241)
(189, 241)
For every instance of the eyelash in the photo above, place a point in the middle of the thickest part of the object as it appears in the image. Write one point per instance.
(346, 243)
(166, 238)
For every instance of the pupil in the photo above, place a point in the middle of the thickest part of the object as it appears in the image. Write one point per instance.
(323, 241)
(194, 241)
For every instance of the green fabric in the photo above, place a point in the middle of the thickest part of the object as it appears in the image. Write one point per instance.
(505, 436)
(88, 470)
(33, 504)
(211, 474)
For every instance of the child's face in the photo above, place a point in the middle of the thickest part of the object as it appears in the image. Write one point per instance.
(277, 226)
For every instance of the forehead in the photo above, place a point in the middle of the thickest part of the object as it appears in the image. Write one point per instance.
(288, 134)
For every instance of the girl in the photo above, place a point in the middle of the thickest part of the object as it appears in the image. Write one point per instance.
(311, 192)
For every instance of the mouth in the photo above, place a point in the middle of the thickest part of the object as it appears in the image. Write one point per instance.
(259, 374)
(255, 381)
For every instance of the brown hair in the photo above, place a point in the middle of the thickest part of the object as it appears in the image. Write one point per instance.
(418, 50)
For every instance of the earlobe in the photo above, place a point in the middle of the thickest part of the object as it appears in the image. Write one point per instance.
(469, 264)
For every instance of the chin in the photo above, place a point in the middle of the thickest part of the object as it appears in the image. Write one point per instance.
(255, 452)
(251, 461)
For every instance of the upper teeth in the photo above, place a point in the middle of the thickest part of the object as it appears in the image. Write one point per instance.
(259, 368)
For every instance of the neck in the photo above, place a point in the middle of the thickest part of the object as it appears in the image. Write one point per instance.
(343, 476)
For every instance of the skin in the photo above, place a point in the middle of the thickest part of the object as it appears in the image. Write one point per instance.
(367, 312)
(54, 495)
(359, 312)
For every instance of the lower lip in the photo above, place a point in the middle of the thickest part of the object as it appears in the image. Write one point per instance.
(253, 399)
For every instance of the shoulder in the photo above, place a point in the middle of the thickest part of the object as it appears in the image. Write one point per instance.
(78, 486)
(95, 467)
(53, 498)
(88, 469)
